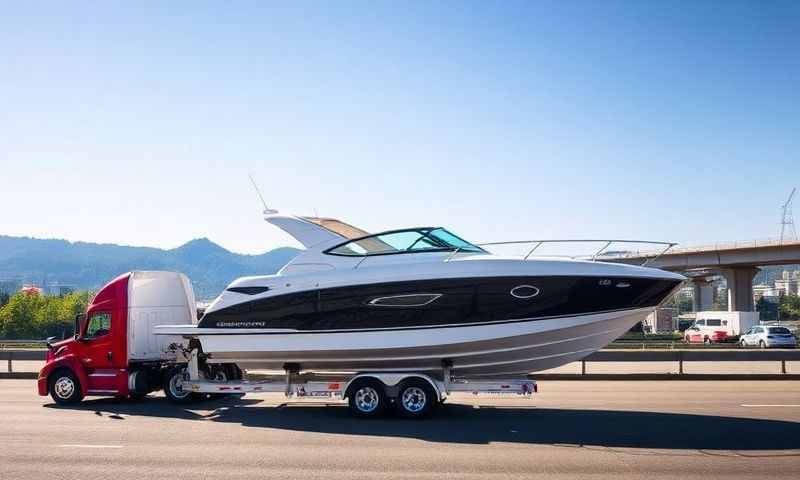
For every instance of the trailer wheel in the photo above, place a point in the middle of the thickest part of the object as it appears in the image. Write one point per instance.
(172, 386)
(367, 398)
(416, 398)
(64, 386)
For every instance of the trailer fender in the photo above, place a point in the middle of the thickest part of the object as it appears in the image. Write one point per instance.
(391, 382)
(69, 361)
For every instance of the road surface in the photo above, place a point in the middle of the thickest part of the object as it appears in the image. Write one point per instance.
(609, 430)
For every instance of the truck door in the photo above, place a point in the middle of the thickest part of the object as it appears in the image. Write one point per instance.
(99, 353)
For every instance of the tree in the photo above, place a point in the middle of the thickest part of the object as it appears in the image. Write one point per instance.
(17, 316)
(790, 307)
(767, 311)
(38, 316)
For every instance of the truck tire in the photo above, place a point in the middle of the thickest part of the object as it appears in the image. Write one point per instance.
(416, 398)
(367, 398)
(173, 390)
(64, 386)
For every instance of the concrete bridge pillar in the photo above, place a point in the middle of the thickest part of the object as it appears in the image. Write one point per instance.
(703, 294)
(740, 288)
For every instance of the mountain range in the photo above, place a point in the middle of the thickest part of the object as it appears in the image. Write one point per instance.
(87, 266)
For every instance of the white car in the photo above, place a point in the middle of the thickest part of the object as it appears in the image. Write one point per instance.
(768, 336)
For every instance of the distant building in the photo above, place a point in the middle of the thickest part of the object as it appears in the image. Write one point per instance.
(764, 291)
(788, 284)
(31, 290)
(10, 286)
(58, 289)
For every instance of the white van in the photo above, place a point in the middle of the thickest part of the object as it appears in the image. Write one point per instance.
(716, 326)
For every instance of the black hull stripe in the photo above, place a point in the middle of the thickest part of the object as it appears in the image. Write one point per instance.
(461, 302)
(233, 331)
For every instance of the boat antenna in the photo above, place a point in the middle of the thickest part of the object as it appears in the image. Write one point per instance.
(267, 210)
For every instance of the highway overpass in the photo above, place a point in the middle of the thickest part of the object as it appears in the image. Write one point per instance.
(738, 262)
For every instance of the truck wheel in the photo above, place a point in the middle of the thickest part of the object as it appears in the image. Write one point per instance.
(707, 341)
(65, 388)
(761, 344)
(367, 398)
(172, 386)
(416, 398)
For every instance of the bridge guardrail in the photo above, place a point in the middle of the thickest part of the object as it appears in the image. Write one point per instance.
(611, 355)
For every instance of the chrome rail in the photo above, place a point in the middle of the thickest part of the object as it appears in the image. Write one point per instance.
(593, 257)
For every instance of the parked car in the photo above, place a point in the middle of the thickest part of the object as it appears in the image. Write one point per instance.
(768, 336)
(707, 331)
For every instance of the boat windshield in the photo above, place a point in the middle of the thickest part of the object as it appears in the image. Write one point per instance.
(413, 240)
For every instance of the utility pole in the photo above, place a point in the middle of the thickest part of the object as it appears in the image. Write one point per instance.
(787, 219)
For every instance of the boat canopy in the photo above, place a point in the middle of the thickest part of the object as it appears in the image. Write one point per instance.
(311, 231)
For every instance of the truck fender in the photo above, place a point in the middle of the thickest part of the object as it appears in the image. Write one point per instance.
(69, 361)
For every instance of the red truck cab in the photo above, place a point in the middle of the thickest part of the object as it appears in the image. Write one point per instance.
(112, 353)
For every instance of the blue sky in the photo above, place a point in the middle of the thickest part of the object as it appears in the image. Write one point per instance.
(138, 124)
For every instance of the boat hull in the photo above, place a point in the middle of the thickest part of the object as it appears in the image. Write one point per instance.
(501, 348)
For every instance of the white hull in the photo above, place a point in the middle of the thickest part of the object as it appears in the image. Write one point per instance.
(490, 349)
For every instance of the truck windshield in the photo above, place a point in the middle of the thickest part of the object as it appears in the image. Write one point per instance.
(412, 240)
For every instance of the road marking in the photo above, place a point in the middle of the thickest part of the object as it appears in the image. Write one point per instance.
(766, 405)
(80, 445)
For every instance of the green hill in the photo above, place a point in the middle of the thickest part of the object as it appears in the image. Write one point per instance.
(89, 265)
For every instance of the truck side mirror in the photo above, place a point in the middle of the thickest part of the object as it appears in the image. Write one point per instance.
(78, 319)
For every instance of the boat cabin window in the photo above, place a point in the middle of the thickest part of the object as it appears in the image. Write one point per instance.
(404, 241)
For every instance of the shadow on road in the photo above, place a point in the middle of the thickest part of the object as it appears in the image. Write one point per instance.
(454, 423)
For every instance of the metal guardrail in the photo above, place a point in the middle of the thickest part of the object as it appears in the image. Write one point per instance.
(618, 355)
(716, 247)
(20, 354)
(680, 356)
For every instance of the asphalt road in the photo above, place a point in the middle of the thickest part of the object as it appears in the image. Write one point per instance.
(603, 429)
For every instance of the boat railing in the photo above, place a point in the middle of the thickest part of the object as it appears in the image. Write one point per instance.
(603, 253)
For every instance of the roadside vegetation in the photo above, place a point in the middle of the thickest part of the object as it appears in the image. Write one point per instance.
(32, 316)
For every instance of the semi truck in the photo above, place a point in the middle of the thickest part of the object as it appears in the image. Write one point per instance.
(115, 352)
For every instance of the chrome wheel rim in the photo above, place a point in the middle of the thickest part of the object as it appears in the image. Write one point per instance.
(175, 388)
(366, 399)
(64, 388)
(414, 399)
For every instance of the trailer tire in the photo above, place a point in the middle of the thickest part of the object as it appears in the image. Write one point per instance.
(415, 399)
(367, 397)
(64, 387)
(172, 389)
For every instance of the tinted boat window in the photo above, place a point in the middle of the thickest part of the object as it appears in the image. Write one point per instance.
(404, 241)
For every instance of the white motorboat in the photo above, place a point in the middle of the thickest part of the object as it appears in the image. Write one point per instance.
(419, 299)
